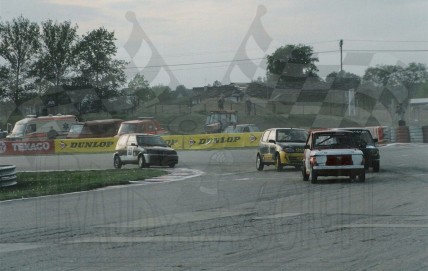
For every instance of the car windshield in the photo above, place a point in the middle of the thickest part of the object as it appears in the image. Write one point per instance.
(144, 140)
(291, 135)
(363, 137)
(334, 141)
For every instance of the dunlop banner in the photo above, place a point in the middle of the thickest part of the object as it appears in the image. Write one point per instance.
(175, 141)
(219, 141)
(86, 145)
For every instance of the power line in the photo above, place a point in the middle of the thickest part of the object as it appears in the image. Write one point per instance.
(389, 41)
(261, 58)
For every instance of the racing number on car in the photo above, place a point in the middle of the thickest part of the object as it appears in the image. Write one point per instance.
(130, 150)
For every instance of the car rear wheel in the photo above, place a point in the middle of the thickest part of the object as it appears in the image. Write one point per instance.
(259, 163)
(117, 163)
(171, 165)
(313, 176)
(142, 162)
(278, 164)
(362, 177)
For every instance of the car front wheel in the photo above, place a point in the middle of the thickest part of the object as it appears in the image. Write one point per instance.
(142, 162)
(313, 176)
(259, 163)
(278, 163)
(117, 163)
(376, 167)
(304, 174)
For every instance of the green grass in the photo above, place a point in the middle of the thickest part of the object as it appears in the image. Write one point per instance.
(34, 184)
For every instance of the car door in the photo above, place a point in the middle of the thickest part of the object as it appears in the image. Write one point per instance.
(263, 145)
(307, 152)
(271, 144)
(131, 146)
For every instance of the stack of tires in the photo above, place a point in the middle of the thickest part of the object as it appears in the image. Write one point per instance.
(403, 134)
(425, 134)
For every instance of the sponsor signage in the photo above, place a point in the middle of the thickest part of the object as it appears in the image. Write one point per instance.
(26, 147)
(218, 141)
(86, 145)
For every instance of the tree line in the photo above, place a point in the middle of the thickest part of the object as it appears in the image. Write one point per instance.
(35, 58)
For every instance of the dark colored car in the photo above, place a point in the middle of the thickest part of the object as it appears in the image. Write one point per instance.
(145, 150)
(281, 147)
(367, 145)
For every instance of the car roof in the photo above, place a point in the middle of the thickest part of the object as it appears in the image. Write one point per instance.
(286, 128)
(331, 131)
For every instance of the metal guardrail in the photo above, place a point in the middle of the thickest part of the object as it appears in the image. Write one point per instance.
(7, 175)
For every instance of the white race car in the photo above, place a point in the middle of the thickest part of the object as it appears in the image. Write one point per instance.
(332, 153)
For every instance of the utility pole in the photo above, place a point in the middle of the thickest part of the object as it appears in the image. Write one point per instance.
(341, 45)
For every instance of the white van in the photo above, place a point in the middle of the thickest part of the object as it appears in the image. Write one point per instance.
(42, 128)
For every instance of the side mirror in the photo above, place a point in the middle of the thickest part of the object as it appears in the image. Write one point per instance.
(272, 141)
(375, 140)
(134, 144)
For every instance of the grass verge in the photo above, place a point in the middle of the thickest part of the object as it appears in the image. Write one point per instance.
(35, 184)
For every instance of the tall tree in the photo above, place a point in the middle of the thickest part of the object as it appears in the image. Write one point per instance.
(140, 87)
(19, 43)
(343, 80)
(97, 67)
(393, 75)
(292, 61)
(57, 54)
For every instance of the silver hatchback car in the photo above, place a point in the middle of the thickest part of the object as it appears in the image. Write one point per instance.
(145, 150)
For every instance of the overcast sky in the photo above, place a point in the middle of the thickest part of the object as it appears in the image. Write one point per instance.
(198, 40)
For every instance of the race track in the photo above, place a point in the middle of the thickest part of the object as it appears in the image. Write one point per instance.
(223, 214)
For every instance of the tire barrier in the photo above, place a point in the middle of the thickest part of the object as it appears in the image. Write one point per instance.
(425, 134)
(403, 134)
(387, 134)
(416, 135)
(7, 175)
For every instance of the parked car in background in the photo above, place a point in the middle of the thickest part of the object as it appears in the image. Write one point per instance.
(145, 150)
(241, 128)
(281, 147)
(37, 128)
(367, 145)
(332, 153)
(95, 128)
(147, 125)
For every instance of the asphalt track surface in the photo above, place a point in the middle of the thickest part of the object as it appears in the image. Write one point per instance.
(217, 212)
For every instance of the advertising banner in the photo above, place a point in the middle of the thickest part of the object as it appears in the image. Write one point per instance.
(219, 141)
(24, 147)
(175, 141)
(87, 145)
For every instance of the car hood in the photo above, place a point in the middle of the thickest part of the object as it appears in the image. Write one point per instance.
(291, 144)
(159, 148)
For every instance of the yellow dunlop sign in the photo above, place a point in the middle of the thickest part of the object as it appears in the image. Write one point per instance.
(219, 141)
(86, 145)
(175, 141)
